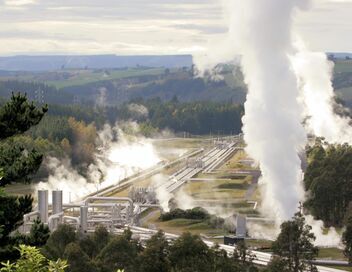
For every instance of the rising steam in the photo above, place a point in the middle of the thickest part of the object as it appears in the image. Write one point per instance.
(118, 156)
(286, 85)
(314, 73)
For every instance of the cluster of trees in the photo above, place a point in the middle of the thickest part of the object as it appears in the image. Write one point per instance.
(35, 91)
(102, 251)
(195, 117)
(17, 164)
(329, 170)
(196, 213)
(328, 181)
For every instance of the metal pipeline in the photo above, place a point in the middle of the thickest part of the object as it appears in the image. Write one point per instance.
(106, 198)
(27, 217)
(52, 221)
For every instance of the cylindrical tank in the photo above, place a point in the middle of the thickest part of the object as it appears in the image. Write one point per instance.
(57, 201)
(43, 205)
(83, 219)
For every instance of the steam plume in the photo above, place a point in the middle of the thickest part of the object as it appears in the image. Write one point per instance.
(286, 83)
(314, 73)
(272, 123)
(117, 157)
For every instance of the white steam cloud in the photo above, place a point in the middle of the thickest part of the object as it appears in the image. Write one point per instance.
(118, 157)
(272, 123)
(314, 73)
(286, 85)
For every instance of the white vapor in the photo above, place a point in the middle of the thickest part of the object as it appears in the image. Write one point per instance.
(286, 85)
(272, 122)
(118, 157)
(314, 72)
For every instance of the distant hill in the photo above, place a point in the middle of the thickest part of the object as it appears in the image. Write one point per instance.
(45, 63)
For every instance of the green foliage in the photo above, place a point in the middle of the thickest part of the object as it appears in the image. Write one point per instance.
(12, 210)
(58, 240)
(194, 213)
(155, 255)
(347, 239)
(294, 246)
(78, 259)
(196, 117)
(11, 215)
(18, 161)
(18, 115)
(32, 260)
(329, 170)
(38, 234)
(119, 253)
(103, 252)
(189, 253)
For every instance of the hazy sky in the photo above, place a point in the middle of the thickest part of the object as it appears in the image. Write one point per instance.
(146, 26)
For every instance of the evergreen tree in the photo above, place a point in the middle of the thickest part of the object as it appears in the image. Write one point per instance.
(347, 239)
(294, 246)
(155, 255)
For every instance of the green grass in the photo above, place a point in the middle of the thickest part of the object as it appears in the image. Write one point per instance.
(180, 225)
(216, 189)
(333, 253)
(343, 66)
(345, 93)
(20, 189)
(83, 77)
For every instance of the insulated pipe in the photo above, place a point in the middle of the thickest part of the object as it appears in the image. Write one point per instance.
(43, 205)
(67, 218)
(106, 198)
(54, 220)
(27, 217)
(57, 201)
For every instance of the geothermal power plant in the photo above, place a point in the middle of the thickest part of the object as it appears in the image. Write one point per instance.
(119, 213)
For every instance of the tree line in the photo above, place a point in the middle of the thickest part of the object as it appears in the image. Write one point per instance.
(328, 181)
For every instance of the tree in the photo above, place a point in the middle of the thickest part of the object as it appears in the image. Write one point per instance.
(16, 163)
(155, 255)
(32, 260)
(12, 210)
(58, 240)
(329, 170)
(294, 246)
(243, 258)
(189, 253)
(119, 253)
(39, 234)
(18, 115)
(347, 239)
(78, 259)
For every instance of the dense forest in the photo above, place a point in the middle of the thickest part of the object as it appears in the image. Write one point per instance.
(329, 170)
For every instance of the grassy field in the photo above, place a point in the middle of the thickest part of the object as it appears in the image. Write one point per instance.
(20, 189)
(216, 189)
(333, 253)
(179, 226)
(65, 78)
(345, 93)
(343, 66)
(82, 77)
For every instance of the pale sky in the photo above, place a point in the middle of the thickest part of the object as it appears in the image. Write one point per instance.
(130, 27)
